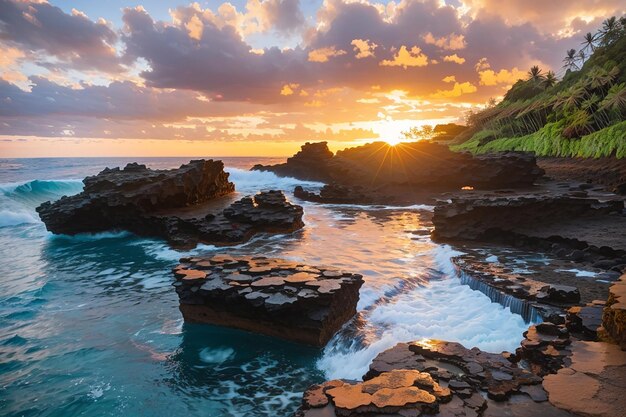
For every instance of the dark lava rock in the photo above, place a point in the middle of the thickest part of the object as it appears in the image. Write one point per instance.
(310, 163)
(614, 316)
(335, 194)
(586, 320)
(545, 347)
(420, 378)
(275, 297)
(414, 165)
(487, 218)
(115, 198)
(559, 294)
(172, 204)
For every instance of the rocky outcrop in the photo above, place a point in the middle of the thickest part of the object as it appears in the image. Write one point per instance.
(275, 297)
(614, 316)
(310, 163)
(431, 377)
(185, 206)
(484, 218)
(116, 197)
(410, 165)
(336, 194)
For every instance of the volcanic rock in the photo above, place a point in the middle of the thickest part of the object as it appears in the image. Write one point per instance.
(415, 165)
(310, 163)
(614, 316)
(184, 206)
(485, 218)
(270, 296)
(419, 378)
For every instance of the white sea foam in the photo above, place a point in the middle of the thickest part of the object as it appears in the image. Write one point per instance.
(216, 356)
(442, 309)
(579, 272)
(253, 181)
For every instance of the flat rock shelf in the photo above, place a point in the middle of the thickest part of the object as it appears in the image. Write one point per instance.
(275, 297)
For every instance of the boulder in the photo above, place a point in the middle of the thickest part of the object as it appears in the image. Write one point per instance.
(411, 165)
(185, 206)
(274, 297)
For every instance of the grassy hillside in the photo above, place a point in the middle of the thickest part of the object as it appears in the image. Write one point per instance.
(581, 115)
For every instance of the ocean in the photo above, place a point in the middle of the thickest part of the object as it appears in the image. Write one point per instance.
(90, 326)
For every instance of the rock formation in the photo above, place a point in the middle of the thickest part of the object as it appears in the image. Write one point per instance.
(182, 205)
(311, 163)
(481, 218)
(275, 297)
(614, 317)
(415, 165)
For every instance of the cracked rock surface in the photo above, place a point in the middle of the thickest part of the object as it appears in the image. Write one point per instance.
(275, 297)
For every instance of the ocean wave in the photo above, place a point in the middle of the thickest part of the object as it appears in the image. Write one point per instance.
(253, 181)
(443, 309)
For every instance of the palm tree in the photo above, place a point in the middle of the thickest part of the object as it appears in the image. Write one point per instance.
(610, 28)
(581, 57)
(570, 60)
(549, 80)
(535, 74)
(616, 98)
(589, 42)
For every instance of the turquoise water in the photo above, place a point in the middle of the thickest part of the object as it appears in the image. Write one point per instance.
(89, 325)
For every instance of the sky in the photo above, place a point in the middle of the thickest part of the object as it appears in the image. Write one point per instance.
(260, 77)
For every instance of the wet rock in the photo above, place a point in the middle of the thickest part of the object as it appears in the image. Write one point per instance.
(420, 164)
(614, 315)
(488, 218)
(594, 383)
(561, 294)
(180, 205)
(585, 320)
(271, 296)
(337, 194)
(391, 392)
(545, 347)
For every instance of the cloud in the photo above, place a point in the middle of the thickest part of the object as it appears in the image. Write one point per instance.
(195, 27)
(458, 90)
(450, 42)
(407, 58)
(454, 58)
(288, 89)
(46, 31)
(324, 54)
(363, 48)
(449, 79)
(504, 76)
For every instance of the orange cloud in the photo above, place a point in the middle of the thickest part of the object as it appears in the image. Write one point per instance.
(324, 54)
(407, 58)
(289, 89)
(449, 79)
(450, 42)
(363, 48)
(454, 58)
(458, 90)
(490, 77)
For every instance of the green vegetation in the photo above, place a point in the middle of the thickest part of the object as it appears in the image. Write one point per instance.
(610, 141)
(581, 115)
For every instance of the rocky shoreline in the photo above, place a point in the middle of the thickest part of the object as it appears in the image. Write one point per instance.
(185, 206)
(572, 359)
